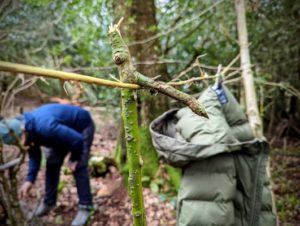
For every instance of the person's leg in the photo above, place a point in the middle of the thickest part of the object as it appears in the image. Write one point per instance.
(52, 180)
(54, 161)
(81, 175)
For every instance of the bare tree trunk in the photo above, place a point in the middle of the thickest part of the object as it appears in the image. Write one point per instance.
(251, 102)
(247, 74)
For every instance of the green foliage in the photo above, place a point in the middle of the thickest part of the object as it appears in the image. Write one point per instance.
(150, 159)
(61, 186)
(58, 34)
(73, 35)
(175, 177)
(37, 2)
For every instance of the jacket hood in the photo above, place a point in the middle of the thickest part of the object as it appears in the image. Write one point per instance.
(178, 152)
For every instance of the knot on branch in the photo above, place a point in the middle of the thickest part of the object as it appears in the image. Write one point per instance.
(119, 59)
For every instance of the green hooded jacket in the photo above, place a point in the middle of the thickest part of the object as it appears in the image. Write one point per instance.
(224, 178)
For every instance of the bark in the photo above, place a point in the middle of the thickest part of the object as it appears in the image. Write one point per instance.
(9, 188)
(145, 26)
(130, 119)
(128, 73)
(247, 74)
(141, 24)
(8, 191)
(170, 91)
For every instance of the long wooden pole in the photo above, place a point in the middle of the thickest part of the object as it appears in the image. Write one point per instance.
(68, 76)
(247, 74)
(137, 81)
(248, 80)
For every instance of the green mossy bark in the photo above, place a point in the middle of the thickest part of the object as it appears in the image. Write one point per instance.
(121, 57)
(129, 115)
(128, 74)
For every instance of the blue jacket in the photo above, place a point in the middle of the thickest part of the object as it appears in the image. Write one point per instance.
(58, 126)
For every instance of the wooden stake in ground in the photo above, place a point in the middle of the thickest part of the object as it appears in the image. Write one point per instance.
(248, 80)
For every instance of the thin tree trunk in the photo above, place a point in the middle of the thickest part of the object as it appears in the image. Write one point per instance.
(247, 74)
(9, 194)
(140, 24)
(128, 73)
(251, 102)
(121, 56)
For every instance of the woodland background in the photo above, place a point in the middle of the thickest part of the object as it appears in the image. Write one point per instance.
(177, 40)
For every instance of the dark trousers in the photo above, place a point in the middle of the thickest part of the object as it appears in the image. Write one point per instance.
(54, 161)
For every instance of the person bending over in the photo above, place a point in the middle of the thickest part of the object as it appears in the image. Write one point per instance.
(61, 129)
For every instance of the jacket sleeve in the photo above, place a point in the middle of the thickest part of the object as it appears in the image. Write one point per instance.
(68, 137)
(34, 163)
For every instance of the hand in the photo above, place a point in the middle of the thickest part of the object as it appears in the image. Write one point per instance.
(72, 165)
(25, 189)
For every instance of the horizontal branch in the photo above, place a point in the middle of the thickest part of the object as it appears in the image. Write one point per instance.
(292, 90)
(20, 68)
(170, 91)
(10, 164)
(191, 80)
(161, 87)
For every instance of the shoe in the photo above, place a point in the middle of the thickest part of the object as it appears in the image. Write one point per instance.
(43, 209)
(82, 217)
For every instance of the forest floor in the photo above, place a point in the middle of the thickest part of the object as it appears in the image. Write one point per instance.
(111, 200)
(110, 197)
(285, 170)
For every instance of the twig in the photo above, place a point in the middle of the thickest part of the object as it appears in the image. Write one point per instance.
(25, 84)
(194, 64)
(230, 64)
(114, 78)
(10, 164)
(119, 23)
(170, 91)
(191, 80)
(233, 80)
(286, 87)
